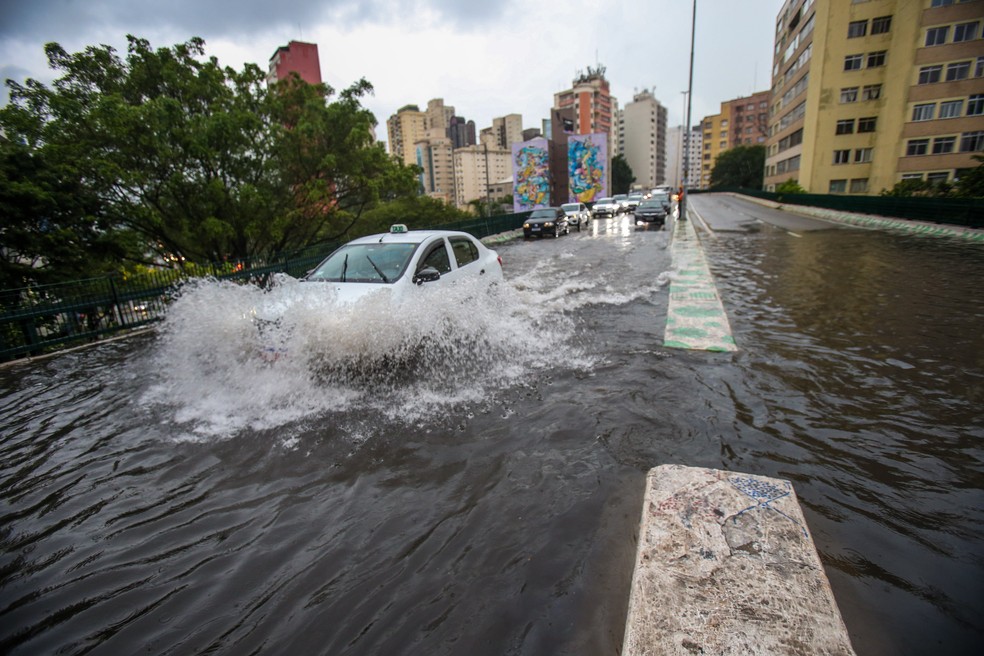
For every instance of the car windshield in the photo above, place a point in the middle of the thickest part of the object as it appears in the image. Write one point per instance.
(635, 196)
(651, 203)
(569, 207)
(661, 197)
(379, 262)
(619, 197)
(543, 214)
(604, 200)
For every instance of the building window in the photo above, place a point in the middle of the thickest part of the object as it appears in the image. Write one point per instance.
(957, 71)
(881, 25)
(912, 176)
(845, 126)
(930, 74)
(939, 3)
(863, 155)
(856, 29)
(876, 59)
(853, 62)
(936, 35)
(942, 145)
(923, 112)
(975, 105)
(867, 124)
(979, 68)
(849, 94)
(859, 186)
(842, 156)
(937, 178)
(916, 147)
(837, 186)
(951, 108)
(971, 142)
(965, 31)
(871, 92)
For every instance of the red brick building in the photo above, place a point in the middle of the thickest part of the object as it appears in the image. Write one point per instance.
(296, 57)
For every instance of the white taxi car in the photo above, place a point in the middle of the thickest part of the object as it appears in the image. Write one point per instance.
(403, 259)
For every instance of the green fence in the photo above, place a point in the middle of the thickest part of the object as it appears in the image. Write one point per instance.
(966, 212)
(45, 318)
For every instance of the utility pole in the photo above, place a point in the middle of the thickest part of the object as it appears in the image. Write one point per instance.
(690, 95)
(488, 193)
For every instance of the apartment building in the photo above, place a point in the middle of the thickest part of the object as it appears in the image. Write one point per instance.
(642, 139)
(403, 130)
(677, 158)
(715, 140)
(476, 168)
(868, 93)
(435, 156)
(590, 99)
(749, 117)
(295, 57)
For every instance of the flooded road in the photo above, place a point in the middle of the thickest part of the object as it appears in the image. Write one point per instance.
(383, 492)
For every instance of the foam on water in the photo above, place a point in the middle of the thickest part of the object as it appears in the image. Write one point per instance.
(236, 357)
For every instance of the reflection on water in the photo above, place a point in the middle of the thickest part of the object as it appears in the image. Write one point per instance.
(371, 491)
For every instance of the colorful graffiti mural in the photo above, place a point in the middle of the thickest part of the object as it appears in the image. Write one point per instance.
(587, 166)
(531, 175)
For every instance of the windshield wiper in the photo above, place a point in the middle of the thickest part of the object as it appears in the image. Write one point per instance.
(344, 267)
(378, 270)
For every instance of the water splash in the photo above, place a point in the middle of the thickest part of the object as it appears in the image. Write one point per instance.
(232, 357)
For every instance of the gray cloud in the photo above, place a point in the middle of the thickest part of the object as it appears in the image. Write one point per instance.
(51, 20)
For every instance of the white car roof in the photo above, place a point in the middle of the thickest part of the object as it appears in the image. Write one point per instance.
(408, 237)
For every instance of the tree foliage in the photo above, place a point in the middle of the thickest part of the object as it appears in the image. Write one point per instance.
(968, 184)
(164, 155)
(790, 186)
(741, 166)
(622, 175)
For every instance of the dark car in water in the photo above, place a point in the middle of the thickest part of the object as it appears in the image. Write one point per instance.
(546, 221)
(651, 211)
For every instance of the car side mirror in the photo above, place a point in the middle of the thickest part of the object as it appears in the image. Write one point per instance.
(427, 274)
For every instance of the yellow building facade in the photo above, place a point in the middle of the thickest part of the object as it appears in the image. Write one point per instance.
(716, 140)
(868, 93)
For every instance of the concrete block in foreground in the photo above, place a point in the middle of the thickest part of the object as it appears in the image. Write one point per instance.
(726, 565)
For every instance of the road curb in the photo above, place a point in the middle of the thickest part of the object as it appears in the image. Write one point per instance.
(725, 565)
(695, 317)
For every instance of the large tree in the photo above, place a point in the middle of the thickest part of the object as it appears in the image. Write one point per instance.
(741, 166)
(622, 175)
(164, 154)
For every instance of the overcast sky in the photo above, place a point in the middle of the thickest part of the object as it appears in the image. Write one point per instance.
(486, 59)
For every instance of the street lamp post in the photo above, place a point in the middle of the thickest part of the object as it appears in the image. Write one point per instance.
(690, 94)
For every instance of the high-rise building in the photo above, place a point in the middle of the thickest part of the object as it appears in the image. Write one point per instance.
(714, 141)
(296, 57)
(591, 101)
(403, 130)
(507, 130)
(476, 169)
(749, 120)
(642, 139)
(694, 165)
(461, 132)
(434, 155)
(866, 94)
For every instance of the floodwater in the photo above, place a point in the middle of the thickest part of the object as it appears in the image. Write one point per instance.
(467, 476)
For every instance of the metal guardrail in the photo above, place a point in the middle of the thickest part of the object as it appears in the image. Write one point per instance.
(45, 318)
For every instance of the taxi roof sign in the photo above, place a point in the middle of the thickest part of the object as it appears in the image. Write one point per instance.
(398, 228)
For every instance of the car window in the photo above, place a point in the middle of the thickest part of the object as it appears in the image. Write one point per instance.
(570, 207)
(437, 257)
(365, 263)
(543, 214)
(465, 250)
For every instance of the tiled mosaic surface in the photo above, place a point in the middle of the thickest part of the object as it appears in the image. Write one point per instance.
(695, 318)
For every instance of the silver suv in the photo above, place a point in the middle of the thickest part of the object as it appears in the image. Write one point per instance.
(577, 214)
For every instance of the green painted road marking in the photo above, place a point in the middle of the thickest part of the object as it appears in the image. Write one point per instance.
(695, 318)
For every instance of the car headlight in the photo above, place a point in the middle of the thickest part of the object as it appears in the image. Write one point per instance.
(549, 224)
(526, 225)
